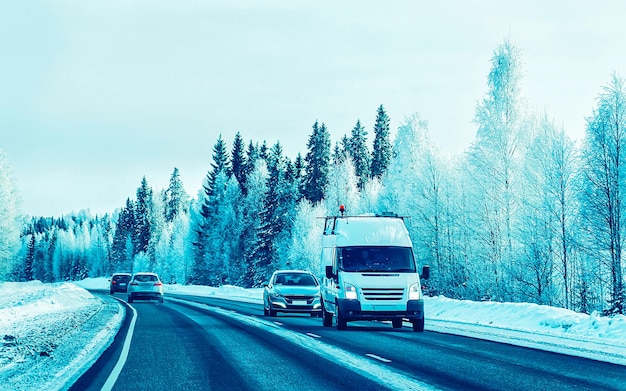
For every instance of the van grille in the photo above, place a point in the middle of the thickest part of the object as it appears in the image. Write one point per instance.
(383, 294)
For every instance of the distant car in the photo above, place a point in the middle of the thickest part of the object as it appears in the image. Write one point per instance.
(295, 291)
(146, 286)
(119, 282)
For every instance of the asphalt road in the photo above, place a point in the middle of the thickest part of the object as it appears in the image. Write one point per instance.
(176, 346)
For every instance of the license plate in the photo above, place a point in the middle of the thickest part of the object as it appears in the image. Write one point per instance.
(299, 302)
(122, 284)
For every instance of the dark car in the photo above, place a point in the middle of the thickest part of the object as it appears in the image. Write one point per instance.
(119, 282)
(295, 291)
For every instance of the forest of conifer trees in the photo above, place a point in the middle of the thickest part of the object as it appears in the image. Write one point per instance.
(524, 215)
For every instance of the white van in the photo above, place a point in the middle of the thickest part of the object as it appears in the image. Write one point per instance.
(369, 272)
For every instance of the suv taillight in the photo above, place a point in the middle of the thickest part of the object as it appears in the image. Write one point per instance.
(158, 283)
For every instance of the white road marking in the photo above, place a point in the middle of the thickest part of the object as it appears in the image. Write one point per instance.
(375, 357)
(313, 335)
(115, 373)
(278, 323)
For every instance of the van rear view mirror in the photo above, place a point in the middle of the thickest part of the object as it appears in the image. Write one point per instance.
(329, 272)
(425, 272)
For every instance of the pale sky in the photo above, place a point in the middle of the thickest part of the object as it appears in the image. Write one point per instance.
(94, 95)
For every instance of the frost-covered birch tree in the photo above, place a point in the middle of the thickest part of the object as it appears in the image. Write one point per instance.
(413, 186)
(9, 219)
(604, 175)
(494, 171)
(544, 272)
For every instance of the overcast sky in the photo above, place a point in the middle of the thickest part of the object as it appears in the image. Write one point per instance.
(94, 95)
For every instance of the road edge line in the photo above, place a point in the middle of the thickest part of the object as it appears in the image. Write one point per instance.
(115, 373)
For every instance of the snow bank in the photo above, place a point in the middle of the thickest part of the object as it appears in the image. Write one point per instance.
(50, 332)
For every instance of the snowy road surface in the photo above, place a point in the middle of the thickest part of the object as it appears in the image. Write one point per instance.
(49, 337)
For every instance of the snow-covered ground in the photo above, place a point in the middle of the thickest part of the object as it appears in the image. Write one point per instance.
(50, 333)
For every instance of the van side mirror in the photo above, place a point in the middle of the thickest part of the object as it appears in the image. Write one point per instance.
(425, 272)
(329, 272)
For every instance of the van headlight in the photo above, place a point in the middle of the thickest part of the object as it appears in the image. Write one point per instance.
(350, 291)
(414, 292)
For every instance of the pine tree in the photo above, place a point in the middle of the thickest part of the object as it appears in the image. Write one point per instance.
(274, 217)
(144, 218)
(238, 161)
(317, 163)
(213, 190)
(381, 153)
(30, 260)
(175, 198)
(299, 174)
(252, 208)
(357, 148)
(251, 155)
(121, 257)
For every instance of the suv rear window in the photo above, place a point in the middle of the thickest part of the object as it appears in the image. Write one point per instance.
(145, 278)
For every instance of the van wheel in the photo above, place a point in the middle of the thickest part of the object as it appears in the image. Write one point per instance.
(418, 325)
(396, 323)
(327, 318)
(341, 322)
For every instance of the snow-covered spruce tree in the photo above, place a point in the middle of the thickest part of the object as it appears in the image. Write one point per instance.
(317, 162)
(98, 251)
(9, 220)
(238, 161)
(604, 174)
(252, 207)
(547, 219)
(381, 150)
(276, 219)
(175, 198)
(299, 168)
(359, 153)
(144, 219)
(251, 157)
(208, 212)
(494, 173)
(170, 247)
(121, 257)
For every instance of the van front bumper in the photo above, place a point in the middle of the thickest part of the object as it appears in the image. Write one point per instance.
(352, 310)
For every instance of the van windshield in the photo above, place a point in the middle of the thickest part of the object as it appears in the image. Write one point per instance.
(376, 259)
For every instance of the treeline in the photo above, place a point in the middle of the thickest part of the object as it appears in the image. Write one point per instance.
(525, 214)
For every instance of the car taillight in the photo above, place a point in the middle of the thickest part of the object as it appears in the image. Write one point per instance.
(157, 284)
(113, 282)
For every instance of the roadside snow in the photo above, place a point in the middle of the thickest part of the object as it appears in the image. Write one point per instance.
(51, 333)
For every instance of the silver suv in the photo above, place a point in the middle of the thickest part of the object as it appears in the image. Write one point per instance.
(145, 286)
(292, 291)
